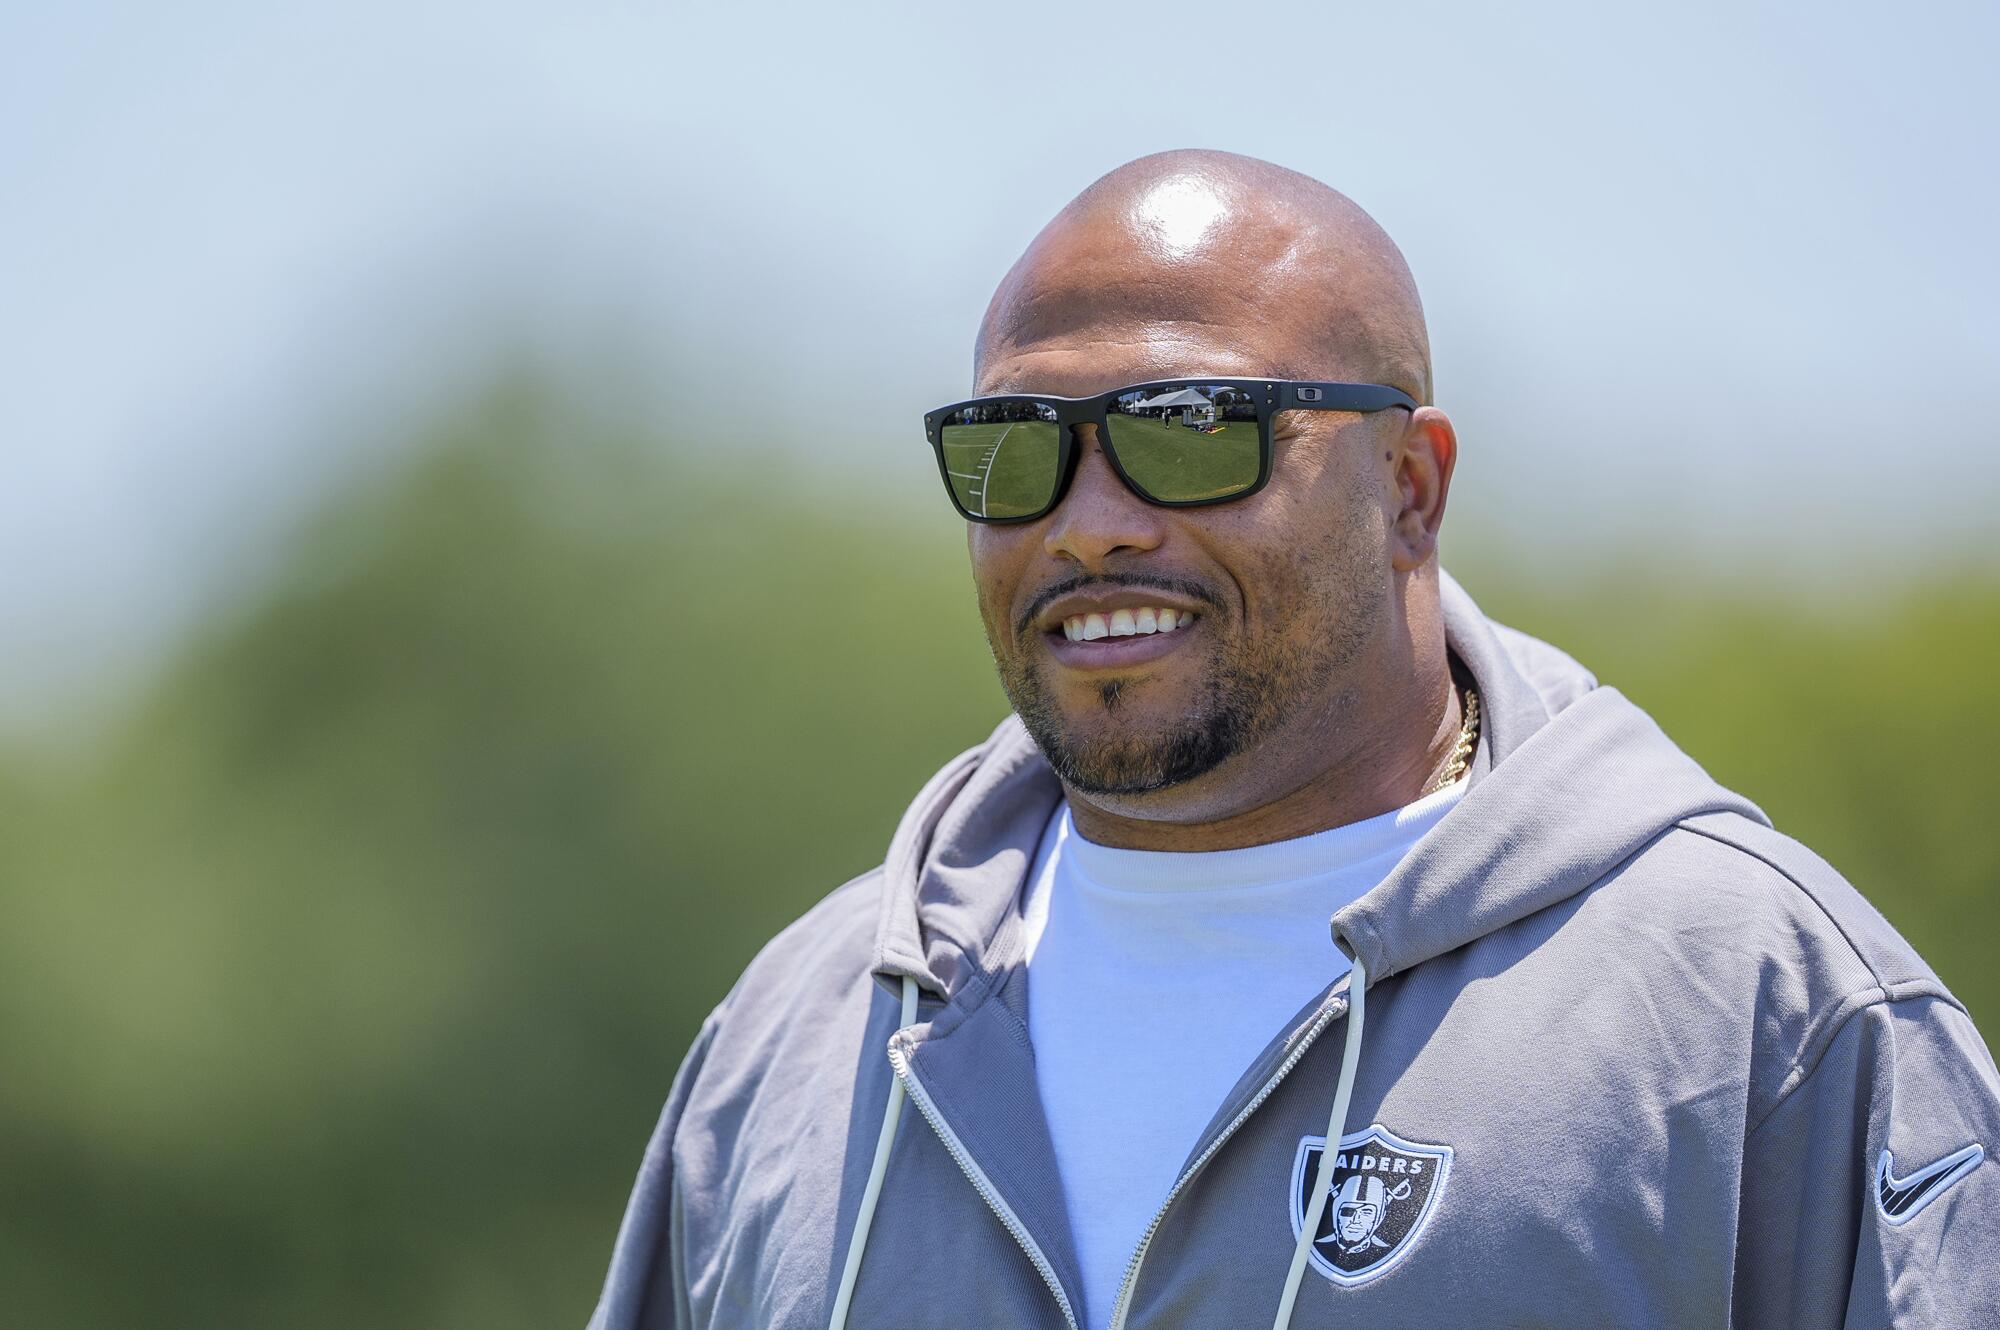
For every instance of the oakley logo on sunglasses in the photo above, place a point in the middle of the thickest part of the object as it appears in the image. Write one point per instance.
(1177, 443)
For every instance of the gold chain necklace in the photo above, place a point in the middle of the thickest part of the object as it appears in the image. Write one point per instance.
(1461, 752)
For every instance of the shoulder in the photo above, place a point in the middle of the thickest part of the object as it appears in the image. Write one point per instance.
(827, 950)
(1818, 905)
(789, 1038)
(1777, 931)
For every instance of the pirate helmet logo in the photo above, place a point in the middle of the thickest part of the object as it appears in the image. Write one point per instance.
(1384, 1191)
(1359, 1209)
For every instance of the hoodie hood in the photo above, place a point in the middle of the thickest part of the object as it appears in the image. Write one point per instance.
(1556, 750)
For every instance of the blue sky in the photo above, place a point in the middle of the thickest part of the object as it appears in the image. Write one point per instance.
(1697, 274)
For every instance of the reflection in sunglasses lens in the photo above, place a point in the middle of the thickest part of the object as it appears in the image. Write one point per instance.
(1000, 458)
(1186, 441)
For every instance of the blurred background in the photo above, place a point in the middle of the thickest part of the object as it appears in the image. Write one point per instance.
(470, 570)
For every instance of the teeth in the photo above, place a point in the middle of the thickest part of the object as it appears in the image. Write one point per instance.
(1124, 623)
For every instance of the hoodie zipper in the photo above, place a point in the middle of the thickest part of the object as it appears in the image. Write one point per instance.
(1121, 1307)
(980, 1183)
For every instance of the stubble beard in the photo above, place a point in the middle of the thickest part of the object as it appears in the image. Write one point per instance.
(1252, 688)
(1230, 715)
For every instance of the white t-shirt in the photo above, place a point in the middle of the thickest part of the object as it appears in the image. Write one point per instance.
(1153, 981)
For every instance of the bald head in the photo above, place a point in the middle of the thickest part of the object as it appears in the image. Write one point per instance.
(1196, 256)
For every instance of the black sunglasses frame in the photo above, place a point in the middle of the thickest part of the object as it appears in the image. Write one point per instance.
(1269, 395)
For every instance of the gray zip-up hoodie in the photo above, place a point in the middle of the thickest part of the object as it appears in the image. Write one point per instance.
(1629, 1057)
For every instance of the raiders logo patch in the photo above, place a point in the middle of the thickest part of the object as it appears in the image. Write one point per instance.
(1385, 1190)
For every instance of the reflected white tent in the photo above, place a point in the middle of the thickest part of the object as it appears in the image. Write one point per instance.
(1188, 401)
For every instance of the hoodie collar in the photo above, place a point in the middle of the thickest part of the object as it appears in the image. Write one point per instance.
(956, 863)
(1582, 794)
(1581, 779)
(1569, 779)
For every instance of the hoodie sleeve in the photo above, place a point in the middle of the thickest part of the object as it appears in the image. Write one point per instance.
(1871, 1193)
(645, 1288)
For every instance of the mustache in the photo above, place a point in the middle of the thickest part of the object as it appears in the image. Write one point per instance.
(1179, 586)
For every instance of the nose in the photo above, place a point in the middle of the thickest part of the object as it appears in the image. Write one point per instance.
(1099, 517)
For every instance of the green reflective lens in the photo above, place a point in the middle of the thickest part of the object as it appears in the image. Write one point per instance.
(1186, 442)
(1002, 459)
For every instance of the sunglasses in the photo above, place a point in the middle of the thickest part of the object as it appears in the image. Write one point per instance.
(1178, 443)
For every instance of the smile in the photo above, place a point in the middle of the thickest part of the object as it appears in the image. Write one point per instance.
(1122, 638)
(1141, 622)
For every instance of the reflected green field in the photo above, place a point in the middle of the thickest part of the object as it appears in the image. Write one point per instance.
(1003, 470)
(1197, 465)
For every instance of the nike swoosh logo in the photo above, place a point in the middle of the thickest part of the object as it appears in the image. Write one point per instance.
(1901, 1198)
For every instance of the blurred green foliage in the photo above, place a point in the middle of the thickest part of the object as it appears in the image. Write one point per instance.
(344, 972)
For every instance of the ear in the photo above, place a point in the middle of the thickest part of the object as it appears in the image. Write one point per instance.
(1420, 462)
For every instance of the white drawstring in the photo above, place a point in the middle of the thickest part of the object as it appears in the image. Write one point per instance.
(866, 1217)
(1350, 1059)
(1350, 1062)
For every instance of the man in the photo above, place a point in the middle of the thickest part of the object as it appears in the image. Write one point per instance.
(1308, 950)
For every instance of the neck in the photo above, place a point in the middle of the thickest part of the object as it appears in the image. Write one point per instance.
(1392, 766)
